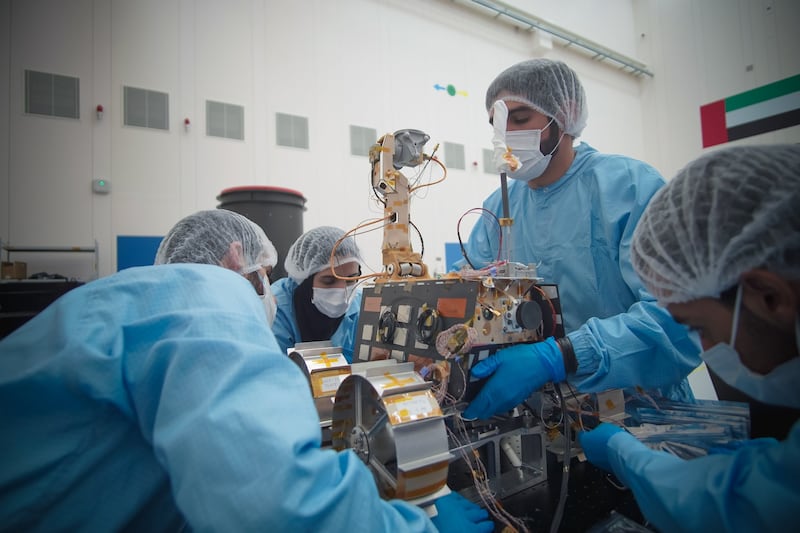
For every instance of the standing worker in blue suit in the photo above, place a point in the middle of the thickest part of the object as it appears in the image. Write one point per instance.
(719, 246)
(574, 212)
(156, 399)
(313, 303)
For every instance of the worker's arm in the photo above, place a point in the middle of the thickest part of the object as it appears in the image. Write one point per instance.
(756, 488)
(232, 421)
(644, 346)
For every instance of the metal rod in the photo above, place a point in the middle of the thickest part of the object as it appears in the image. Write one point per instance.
(504, 190)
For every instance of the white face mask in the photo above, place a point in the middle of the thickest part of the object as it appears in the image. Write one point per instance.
(524, 145)
(270, 306)
(779, 387)
(331, 302)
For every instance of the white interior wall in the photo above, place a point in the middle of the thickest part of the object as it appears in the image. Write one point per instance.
(45, 155)
(382, 76)
(223, 43)
(145, 162)
(369, 63)
(608, 22)
(101, 90)
(705, 51)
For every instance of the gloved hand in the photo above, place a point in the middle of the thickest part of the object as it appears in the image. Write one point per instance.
(516, 372)
(457, 514)
(595, 444)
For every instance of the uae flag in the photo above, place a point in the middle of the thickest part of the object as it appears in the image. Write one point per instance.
(767, 108)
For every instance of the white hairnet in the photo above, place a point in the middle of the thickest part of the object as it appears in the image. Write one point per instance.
(725, 213)
(311, 252)
(205, 237)
(550, 87)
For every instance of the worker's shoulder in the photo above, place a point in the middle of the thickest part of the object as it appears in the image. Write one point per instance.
(180, 273)
(616, 170)
(284, 283)
(283, 289)
(161, 288)
(622, 163)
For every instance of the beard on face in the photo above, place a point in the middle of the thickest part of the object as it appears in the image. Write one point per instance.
(549, 145)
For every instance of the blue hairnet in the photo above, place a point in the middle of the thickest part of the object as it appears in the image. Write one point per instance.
(205, 237)
(550, 87)
(311, 252)
(723, 214)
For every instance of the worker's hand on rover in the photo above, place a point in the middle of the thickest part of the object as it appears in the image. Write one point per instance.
(457, 514)
(595, 444)
(515, 373)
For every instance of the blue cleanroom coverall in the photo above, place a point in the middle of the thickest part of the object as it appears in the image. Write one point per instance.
(285, 325)
(159, 394)
(755, 488)
(578, 231)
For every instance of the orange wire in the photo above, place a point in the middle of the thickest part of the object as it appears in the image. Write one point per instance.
(444, 169)
(343, 237)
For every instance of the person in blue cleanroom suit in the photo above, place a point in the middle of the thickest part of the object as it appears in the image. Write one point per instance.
(313, 303)
(574, 212)
(156, 399)
(720, 247)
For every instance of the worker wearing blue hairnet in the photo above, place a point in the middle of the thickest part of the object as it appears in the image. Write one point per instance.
(157, 399)
(574, 212)
(719, 246)
(314, 302)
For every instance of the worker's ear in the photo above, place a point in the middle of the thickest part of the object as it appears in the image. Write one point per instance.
(234, 257)
(771, 297)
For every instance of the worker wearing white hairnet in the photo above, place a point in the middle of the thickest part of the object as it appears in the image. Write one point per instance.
(574, 212)
(313, 304)
(228, 239)
(720, 247)
(157, 399)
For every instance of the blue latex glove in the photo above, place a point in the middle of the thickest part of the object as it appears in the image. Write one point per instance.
(595, 444)
(457, 514)
(516, 372)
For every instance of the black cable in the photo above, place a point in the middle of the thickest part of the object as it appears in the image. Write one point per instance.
(464, 250)
(427, 334)
(562, 499)
(387, 324)
(421, 242)
(483, 212)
